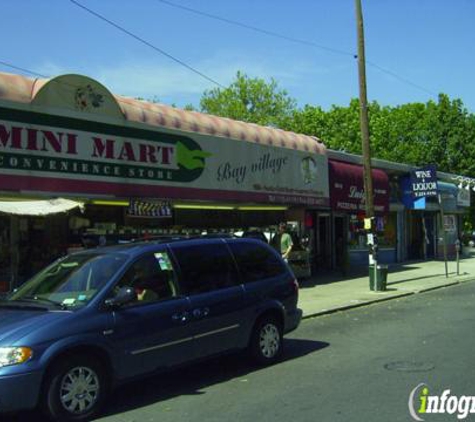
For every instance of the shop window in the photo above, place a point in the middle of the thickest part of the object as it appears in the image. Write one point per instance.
(388, 234)
(386, 230)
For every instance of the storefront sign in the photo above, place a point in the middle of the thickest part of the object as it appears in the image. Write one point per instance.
(408, 199)
(463, 197)
(43, 152)
(149, 209)
(450, 223)
(424, 182)
(347, 188)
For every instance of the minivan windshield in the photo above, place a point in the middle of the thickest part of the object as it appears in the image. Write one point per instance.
(69, 282)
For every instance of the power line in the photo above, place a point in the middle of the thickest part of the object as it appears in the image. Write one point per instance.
(117, 98)
(159, 50)
(400, 78)
(22, 69)
(256, 29)
(295, 40)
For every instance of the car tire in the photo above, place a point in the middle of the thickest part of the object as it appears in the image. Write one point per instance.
(75, 389)
(266, 343)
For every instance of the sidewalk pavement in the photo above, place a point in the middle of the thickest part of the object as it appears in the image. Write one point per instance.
(332, 292)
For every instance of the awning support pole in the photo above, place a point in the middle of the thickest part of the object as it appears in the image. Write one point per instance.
(444, 234)
(14, 250)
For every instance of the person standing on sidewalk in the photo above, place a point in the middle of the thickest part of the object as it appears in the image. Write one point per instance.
(286, 242)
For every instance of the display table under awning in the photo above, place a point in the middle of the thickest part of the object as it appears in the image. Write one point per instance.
(39, 208)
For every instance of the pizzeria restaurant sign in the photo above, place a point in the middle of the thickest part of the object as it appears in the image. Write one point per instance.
(347, 188)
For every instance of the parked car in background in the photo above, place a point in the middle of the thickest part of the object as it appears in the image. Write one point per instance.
(468, 239)
(255, 234)
(100, 317)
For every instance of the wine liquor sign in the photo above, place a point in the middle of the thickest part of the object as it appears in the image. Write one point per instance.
(424, 182)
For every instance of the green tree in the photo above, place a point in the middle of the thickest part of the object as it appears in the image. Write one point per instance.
(250, 100)
(440, 132)
(338, 128)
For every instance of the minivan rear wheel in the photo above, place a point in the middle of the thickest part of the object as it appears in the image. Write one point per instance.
(75, 389)
(267, 340)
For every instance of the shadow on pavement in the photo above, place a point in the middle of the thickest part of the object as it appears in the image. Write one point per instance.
(418, 278)
(335, 276)
(192, 380)
(189, 380)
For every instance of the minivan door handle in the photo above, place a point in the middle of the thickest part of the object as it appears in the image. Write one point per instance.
(180, 316)
(200, 313)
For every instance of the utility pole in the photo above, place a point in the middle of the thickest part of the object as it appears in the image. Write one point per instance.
(364, 124)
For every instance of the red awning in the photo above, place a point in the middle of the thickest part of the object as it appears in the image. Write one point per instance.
(347, 188)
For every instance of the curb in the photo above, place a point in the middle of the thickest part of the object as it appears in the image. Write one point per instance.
(385, 299)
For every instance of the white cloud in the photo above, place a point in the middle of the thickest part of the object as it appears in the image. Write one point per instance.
(172, 83)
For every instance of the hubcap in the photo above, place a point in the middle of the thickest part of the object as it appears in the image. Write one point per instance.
(79, 390)
(269, 340)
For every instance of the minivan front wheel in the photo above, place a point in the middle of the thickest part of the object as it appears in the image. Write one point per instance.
(267, 340)
(75, 389)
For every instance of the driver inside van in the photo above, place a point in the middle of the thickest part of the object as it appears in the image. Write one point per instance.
(143, 283)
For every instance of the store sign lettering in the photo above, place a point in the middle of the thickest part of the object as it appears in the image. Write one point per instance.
(29, 139)
(356, 194)
(422, 187)
(266, 162)
(127, 151)
(226, 172)
(424, 182)
(30, 148)
(38, 140)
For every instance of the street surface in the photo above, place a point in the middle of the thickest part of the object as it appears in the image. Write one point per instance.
(356, 365)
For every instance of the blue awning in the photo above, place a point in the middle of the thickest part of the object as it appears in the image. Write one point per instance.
(447, 188)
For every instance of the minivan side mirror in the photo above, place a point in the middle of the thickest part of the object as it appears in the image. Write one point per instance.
(124, 296)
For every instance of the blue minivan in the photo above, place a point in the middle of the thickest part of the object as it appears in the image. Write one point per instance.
(97, 318)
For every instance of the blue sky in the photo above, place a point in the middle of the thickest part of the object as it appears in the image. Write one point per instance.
(427, 42)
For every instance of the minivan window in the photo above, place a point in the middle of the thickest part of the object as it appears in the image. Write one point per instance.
(205, 267)
(72, 281)
(255, 261)
(152, 277)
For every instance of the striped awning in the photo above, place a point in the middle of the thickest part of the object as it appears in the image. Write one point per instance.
(20, 89)
(40, 207)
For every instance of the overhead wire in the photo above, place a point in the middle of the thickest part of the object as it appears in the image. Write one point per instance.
(147, 43)
(22, 69)
(237, 23)
(400, 78)
(256, 29)
(296, 40)
(117, 98)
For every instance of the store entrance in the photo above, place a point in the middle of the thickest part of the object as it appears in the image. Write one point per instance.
(416, 237)
(340, 244)
(430, 238)
(323, 245)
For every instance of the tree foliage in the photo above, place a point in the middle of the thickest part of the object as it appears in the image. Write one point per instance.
(440, 132)
(250, 100)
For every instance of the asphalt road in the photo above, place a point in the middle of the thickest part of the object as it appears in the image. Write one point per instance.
(356, 365)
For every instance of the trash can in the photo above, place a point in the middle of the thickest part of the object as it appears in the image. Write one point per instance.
(381, 277)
